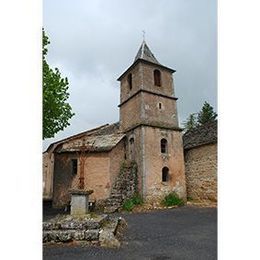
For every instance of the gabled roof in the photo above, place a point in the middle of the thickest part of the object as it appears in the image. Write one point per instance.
(201, 135)
(92, 143)
(101, 130)
(144, 53)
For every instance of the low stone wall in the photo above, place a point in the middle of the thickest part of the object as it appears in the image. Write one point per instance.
(100, 229)
(201, 172)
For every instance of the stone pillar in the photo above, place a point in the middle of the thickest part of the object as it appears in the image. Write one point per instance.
(79, 201)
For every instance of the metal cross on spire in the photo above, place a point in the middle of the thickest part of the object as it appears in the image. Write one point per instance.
(143, 35)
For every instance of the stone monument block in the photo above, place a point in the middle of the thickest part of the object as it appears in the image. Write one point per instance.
(79, 202)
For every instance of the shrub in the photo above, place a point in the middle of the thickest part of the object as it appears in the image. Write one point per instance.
(137, 199)
(172, 199)
(128, 205)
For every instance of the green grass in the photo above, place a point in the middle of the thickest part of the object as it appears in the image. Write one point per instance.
(137, 199)
(129, 204)
(172, 199)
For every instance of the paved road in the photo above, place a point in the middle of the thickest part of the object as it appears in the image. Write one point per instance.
(181, 233)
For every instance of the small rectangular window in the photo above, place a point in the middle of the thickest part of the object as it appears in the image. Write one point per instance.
(163, 146)
(74, 166)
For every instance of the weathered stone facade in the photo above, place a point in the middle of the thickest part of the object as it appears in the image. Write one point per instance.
(140, 105)
(99, 171)
(48, 167)
(148, 133)
(148, 114)
(124, 187)
(200, 146)
(153, 185)
(147, 154)
(201, 172)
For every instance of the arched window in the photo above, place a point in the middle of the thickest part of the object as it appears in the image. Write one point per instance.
(165, 174)
(160, 105)
(164, 146)
(129, 80)
(157, 77)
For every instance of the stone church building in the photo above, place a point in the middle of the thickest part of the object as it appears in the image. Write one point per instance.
(147, 134)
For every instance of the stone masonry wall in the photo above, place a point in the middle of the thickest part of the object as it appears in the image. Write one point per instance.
(117, 156)
(48, 165)
(100, 171)
(145, 107)
(201, 172)
(125, 91)
(92, 229)
(159, 111)
(130, 114)
(97, 177)
(62, 180)
(142, 78)
(153, 186)
(96, 172)
(166, 87)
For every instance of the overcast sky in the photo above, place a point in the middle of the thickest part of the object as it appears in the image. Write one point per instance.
(93, 42)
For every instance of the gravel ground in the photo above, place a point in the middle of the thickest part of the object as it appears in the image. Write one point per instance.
(180, 233)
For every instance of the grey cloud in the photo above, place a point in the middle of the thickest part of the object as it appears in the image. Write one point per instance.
(93, 42)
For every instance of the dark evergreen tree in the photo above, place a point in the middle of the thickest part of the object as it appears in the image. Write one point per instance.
(191, 122)
(206, 114)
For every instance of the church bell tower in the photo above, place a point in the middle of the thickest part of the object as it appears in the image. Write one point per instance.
(148, 117)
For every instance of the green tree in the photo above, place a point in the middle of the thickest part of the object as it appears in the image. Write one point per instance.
(191, 122)
(56, 110)
(206, 114)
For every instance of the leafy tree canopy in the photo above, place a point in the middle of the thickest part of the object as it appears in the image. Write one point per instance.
(56, 110)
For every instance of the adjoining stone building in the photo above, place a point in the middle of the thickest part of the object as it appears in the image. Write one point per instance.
(200, 153)
(93, 157)
(148, 133)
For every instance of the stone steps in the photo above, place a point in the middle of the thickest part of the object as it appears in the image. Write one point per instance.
(124, 187)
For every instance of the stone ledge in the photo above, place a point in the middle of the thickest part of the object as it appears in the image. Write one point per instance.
(111, 209)
(100, 229)
(80, 192)
(107, 235)
(65, 222)
(69, 235)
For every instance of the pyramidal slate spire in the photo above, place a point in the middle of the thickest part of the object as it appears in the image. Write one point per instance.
(144, 53)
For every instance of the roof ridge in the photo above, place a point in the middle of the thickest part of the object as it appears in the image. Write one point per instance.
(77, 135)
(92, 143)
(142, 46)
